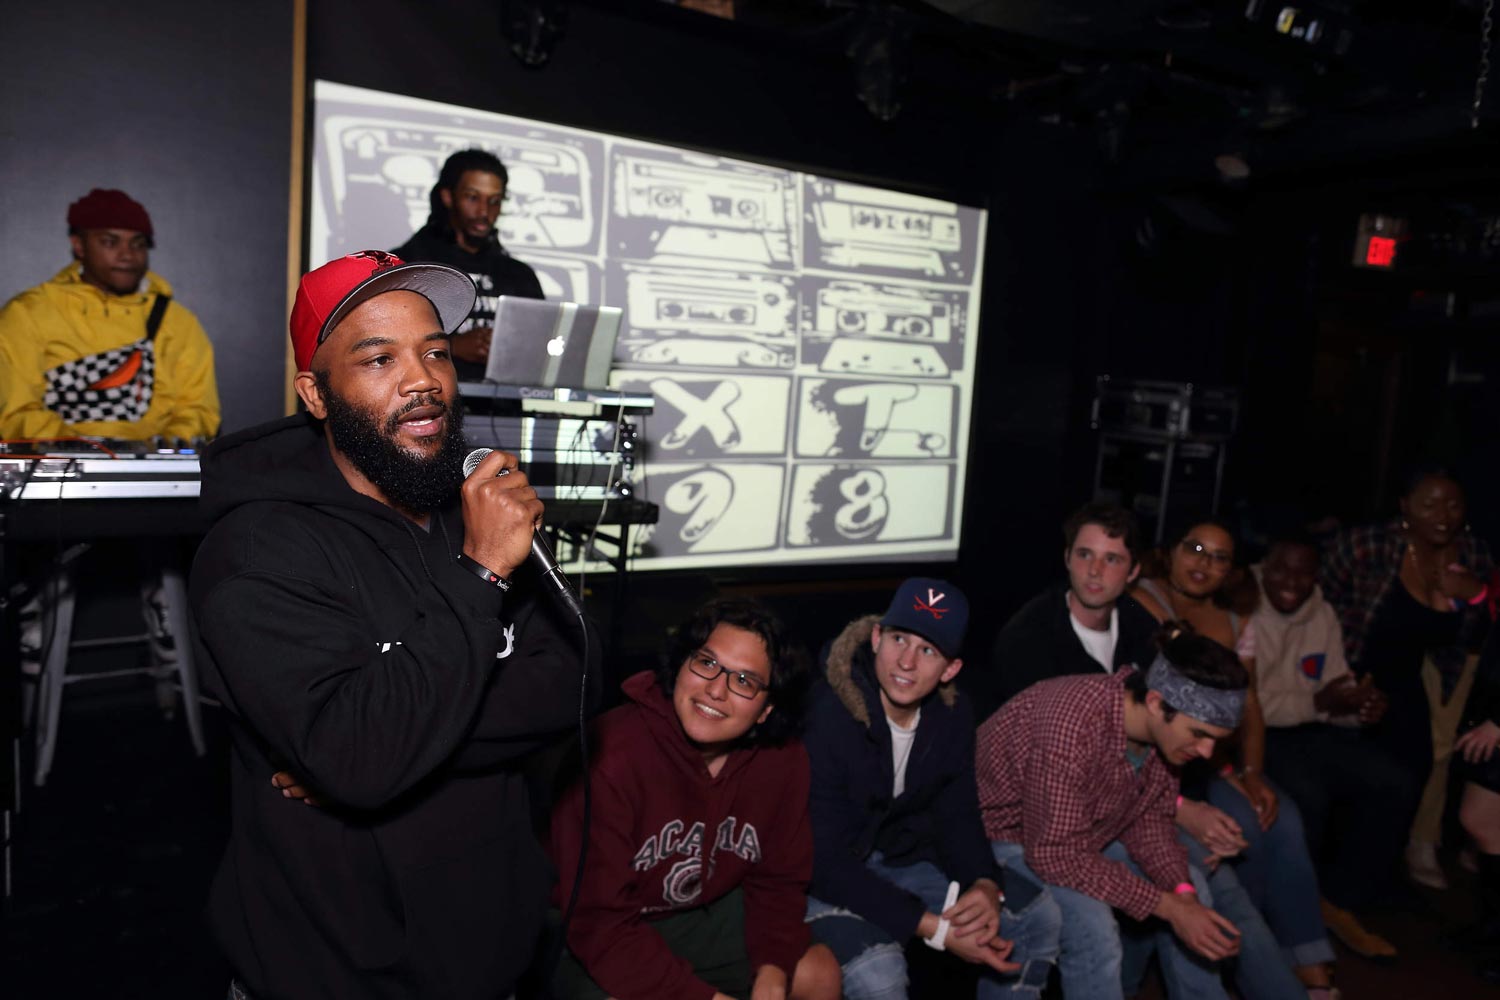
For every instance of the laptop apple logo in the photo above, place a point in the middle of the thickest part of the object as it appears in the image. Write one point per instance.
(555, 347)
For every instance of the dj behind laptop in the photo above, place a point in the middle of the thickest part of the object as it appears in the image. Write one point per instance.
(571, 449)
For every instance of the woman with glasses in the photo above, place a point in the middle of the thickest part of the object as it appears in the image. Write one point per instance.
(1413, 598)
(1200, 586)
(699, 850)
(1231, 809)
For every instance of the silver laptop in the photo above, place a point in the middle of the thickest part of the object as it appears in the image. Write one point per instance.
(552, 344)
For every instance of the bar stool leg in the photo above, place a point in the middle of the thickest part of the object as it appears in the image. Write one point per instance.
(57, 625)
(174, 589)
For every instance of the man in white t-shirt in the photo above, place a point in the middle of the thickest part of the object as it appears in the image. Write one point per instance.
(1088, 626)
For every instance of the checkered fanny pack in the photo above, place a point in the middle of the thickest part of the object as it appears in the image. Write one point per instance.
(112, 385)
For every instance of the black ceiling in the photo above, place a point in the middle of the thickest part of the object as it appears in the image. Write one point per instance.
(1165, 86)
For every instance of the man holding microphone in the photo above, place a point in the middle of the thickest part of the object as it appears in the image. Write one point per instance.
(368, 619)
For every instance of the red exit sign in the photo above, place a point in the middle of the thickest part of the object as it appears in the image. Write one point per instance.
(1375, 240)
(1381, 252)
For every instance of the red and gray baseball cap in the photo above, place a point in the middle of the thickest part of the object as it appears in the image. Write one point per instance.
(326, 295)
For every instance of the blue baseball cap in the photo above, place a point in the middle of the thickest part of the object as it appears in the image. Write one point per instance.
(934, 609)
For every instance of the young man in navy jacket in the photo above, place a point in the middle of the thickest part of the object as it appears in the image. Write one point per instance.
(899, 849)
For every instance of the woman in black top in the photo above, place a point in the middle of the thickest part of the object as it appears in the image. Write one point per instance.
(1408, 591)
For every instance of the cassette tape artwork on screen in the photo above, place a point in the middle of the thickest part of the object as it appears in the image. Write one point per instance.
(808, 343)
(857, 228)
(566, 278)
(865, 504)
(868, 328)
(850, 418)
(706, 319)
(379, 165)
(711, 416)
(676, 207)
(713, 509)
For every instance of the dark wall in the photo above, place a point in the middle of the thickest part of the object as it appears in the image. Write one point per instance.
(186, 106)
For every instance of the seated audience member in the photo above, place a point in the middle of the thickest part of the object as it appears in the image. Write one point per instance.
(895, 811)
(699, 849)
(1077, 788)
(1084, 627)
(461, 232)
(1350, 792)
(1197, 589)
(1479, 765)
(1274, 866)
(1408, 595)
(1092, 626)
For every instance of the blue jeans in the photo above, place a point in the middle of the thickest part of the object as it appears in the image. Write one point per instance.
(1032, 919)
(1097, 948)
(874, 964)
(1277, 872)
(1261, 970)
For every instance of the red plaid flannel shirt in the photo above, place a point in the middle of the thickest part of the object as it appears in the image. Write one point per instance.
(1053, 777)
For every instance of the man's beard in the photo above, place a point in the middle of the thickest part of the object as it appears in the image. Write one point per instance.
(410, 482)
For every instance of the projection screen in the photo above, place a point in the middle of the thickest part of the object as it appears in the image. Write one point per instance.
(809, 342)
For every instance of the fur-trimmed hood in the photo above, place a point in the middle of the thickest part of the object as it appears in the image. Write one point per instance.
(842, 658)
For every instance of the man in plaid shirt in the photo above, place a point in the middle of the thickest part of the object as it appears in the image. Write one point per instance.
(1078, 787)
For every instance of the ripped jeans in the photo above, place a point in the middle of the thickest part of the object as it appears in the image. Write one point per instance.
(874, 964)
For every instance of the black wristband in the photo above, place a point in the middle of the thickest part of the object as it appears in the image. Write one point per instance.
(484, 573)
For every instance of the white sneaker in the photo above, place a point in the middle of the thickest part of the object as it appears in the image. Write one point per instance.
(1422, 865)
(32, 639)
(158, 634)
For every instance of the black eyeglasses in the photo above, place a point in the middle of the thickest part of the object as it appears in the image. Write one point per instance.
(1218, 557)
(741, 682)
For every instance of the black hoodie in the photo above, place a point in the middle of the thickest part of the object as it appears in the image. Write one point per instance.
(349, 648)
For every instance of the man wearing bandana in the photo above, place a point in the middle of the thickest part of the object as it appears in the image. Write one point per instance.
(1078, 786)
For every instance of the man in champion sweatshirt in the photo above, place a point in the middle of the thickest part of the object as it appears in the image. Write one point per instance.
(699, 848)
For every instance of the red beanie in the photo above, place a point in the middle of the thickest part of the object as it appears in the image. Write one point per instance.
(106, 208)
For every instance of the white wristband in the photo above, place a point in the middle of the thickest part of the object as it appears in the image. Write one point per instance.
(939, 939)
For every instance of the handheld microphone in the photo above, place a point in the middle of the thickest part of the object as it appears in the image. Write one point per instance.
(541, 552)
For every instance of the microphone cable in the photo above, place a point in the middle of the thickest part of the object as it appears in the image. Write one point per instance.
(588, 797)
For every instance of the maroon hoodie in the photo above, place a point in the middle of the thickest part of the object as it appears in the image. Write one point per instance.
(655, 809)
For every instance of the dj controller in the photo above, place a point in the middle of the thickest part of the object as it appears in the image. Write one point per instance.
(99, 469)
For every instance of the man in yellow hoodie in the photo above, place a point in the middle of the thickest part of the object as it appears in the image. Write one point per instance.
(102, 349)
